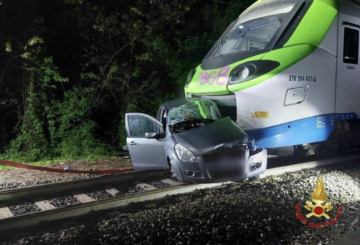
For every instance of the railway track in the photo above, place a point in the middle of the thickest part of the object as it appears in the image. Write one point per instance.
(37, 192)
(140, 178)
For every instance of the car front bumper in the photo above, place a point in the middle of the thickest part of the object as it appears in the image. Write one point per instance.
(210, 169)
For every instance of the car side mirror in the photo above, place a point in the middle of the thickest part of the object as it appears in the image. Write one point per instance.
(151, 135)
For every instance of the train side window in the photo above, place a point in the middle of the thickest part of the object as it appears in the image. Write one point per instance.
(351, 46)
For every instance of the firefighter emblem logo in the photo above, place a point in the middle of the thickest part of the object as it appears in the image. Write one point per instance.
(318, 197)
(318, 207)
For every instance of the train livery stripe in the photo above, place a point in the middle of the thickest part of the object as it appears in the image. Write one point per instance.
(315, 24)
(304, 41)
(298, 52)
(210, 87)
(312, 129)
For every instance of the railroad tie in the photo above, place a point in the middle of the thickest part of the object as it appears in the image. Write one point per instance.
(5, 213)
(112, 191)
(44, 205)
(83, 198)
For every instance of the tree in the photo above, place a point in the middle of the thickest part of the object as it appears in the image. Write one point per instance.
(76, 67)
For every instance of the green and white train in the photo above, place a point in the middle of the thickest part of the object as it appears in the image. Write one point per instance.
(291, 70)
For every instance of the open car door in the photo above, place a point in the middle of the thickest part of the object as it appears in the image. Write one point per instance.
(146, 141)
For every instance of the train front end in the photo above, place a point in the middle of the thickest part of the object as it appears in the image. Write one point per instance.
(263, 66)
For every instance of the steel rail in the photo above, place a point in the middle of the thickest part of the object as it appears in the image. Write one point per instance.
(83, 209)
(12, 195)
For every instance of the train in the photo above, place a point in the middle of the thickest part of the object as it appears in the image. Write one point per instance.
(287, 72)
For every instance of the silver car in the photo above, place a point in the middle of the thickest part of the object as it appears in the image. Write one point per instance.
(192, 139)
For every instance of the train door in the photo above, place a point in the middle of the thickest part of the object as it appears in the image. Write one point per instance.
(348, 63)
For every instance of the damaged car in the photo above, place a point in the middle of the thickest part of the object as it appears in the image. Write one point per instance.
(193, 139)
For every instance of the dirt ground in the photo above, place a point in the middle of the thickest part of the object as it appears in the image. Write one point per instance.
(20, 175)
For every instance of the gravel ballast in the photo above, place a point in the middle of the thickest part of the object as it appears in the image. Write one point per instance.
(64, 201)
(40, 181)
(260, 212)
(25, 208)
(18, 178)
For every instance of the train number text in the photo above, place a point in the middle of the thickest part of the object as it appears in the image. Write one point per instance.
(301, 78)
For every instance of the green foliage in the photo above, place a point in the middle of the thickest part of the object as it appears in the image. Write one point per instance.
(81, 141)
(8, 47)
(78, 66)
(32, 142)
(72, 129)
(74, 1)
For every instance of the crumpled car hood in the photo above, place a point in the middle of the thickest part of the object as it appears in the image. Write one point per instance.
(206, 138)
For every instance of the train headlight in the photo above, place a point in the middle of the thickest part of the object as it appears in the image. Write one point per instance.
(245, 72)
(251, 70)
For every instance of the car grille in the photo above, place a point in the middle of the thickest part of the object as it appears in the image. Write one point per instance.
(225, 163)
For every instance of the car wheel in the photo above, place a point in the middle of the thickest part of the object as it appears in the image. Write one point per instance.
(175, 173)
(256, 177)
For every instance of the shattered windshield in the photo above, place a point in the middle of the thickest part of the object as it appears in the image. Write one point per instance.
(255, 28)
(203, 110)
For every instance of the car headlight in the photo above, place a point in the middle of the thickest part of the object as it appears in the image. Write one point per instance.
(251, 70)
(184, 154)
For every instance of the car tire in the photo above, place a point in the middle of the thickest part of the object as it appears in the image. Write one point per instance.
(175, 172)
(256, 177)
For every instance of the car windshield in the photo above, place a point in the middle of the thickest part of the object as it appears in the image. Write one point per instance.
(255, 28)
(194, 113)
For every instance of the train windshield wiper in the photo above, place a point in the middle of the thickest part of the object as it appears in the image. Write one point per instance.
(220, 43)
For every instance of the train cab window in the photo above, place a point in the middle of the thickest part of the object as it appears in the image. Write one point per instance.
(351, 46)
(257, 28)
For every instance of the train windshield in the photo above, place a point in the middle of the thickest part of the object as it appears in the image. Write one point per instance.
(256, 27)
